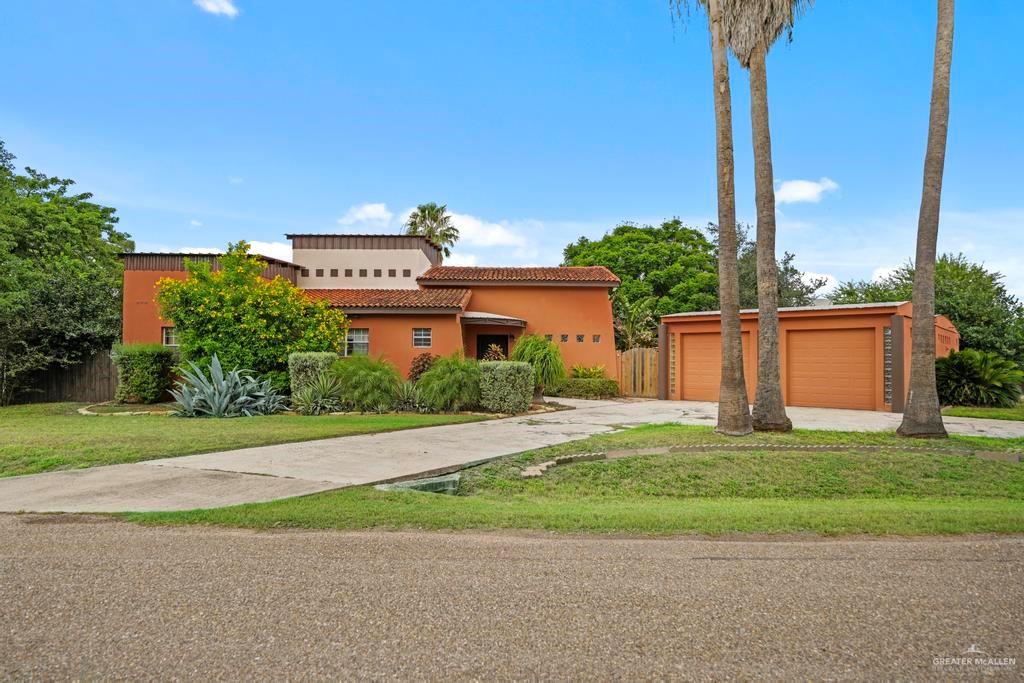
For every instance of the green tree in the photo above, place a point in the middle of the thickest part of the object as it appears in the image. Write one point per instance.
(435, 223)
(987, 316)
(60, 275)
(248, 321)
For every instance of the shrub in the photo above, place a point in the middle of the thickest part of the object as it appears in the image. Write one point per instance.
(494, 353)
(319, 396)
(232, 394)
(546, 359)
(408, 398)
(144, 372)
(451, 385)
(368, 385)
(421, 364)
(248, 321)
(506, 386)
(978, 378)
(576, 387)
(306, 366)
(581, 371)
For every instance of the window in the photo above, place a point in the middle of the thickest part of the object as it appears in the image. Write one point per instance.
(392, 272)
(358, 342)
(362, 272)
(421, 337)
(334, 272)
(305, 272)
(348, 272)
(319, 272)
(376, 272)
(597, 339)
(549, 337)
(406, 272)
(579, 338)
(168, 336)
(564, 338)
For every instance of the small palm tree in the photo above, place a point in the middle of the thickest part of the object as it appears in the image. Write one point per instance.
(546, 359)
(435, 223)
(635, 323)
(922, 416)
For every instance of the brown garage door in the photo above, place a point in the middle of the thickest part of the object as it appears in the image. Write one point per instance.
(831, 368)
(702, 366)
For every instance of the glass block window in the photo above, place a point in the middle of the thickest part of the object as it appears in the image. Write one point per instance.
(671, 365)
(362, 272)
(376, 272)
(597, 339)
(392, 272)
(168, 336)
(406, 272)
(305, 272)
(579, 338)
(564, 338)
(358, 342)
(319, 272)
(422, 337)
(549, 337)
(887, 350)
(334, 272)
(348, 272)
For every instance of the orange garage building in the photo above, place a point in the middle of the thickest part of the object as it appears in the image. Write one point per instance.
(844, 356)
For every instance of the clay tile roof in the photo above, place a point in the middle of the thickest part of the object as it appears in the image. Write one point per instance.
(581, 274)
(455, 299)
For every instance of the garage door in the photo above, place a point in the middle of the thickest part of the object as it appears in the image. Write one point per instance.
(831, 368)
(702, 366)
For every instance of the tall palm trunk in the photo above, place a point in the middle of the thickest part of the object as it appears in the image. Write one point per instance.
(922, 416)
(733, 409)
(769, 408)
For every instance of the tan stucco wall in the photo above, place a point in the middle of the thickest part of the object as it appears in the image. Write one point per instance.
(369, 259)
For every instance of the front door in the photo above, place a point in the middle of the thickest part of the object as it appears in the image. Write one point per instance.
(484, 341)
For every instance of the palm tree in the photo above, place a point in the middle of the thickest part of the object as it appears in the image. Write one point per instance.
(922, 416)
(435, 223)
(733, 407)
(752, 28)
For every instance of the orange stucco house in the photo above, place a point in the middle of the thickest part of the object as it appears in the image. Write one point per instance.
(853, 356)
(402, 301)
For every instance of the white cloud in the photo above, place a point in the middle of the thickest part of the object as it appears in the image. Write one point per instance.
(795, 191)
(882, 272)
(235, 180)
(831, 282)
(195, 250)
(457, 259)
(278, 250)
(195, 224)
(220, 7)
(480, 233)
(371, 214)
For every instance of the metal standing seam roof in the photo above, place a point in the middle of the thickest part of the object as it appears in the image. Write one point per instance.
(580, 274)
(830, 307)
(455, 299)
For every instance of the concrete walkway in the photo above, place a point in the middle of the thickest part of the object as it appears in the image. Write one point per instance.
(271, 472)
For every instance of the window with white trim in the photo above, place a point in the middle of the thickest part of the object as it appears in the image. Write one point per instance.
(168, 336)
(422, 337)
(357, 342)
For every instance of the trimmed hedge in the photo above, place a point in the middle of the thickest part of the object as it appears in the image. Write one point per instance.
(305, 366)
(144, 372)
(506, 386)
(576, 387)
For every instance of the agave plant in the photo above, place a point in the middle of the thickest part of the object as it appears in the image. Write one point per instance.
(321, 395)
(224, 394)
(408, 400)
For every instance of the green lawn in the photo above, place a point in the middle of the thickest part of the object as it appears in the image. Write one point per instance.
(1016, 413)
(713, 493)
(53, 436)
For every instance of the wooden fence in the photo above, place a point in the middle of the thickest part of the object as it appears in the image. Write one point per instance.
(94, 380)
(638, 371)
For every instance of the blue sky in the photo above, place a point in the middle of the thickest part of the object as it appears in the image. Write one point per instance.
(535, 121)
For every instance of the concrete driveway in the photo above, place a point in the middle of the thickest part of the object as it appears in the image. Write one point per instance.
(284, 470)
(95, 599)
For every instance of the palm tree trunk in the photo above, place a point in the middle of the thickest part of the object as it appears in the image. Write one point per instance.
(733, 408)
(922, 416)
(769, 408)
